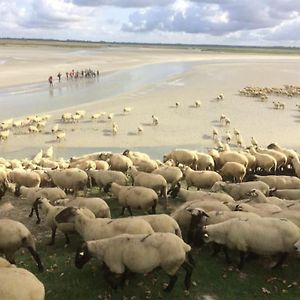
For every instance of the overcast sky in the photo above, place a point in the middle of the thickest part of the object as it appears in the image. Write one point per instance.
(236, 22)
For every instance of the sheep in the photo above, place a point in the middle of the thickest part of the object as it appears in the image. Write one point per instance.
(265, 162)
(229, 156)
(33, 129)
(37, 158)
(76, 118)
(66, 117)
(154, 120)
(177, 104)
(251, 166)
(137, 197)
(280, 157)
(119, 162)
(72, 178)
(96, 116)
(254, 142)
(101, 165)
(288, 152)
(18, 283)
(187, 195)
(55, 128)
(228, 137)
(51, 193)
(153, 181)
(17, 123)
(115, 128)
(220, 97)
(83, 165)
(4, 135)
(101, 228)
(215, 133)
(110, 116)
(80, 113)
(139, 254)
(140, 129)
(145, 165)
(24, 178)
(96, 205)
(289, 194)
(218, 144)
(51, 212)
(13, 236)
(182, 156)
(127, 109)
(172, 174)
(280, 181)
(204, 161)
(162, 223)
(233, 170)
(60, 135)
(197, 103)
(49, 152)
(47, 163)
(239, 190)
(201, 179)
(104, 178)
(263, 236)
(136, 156)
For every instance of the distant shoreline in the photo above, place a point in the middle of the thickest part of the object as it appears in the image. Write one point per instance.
(102, 44)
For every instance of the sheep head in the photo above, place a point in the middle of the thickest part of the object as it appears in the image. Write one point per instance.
(174, 191)
(82, 256)
(66, 215)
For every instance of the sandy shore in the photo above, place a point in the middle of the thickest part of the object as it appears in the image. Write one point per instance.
(185, 126)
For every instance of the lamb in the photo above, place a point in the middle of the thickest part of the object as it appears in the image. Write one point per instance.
(106, 178)
(154, 120)
(4, 135)
(152, 181)
(127, 251)
(96, 205)
(101, 228)
(73, 178)
(182, 156)
(51, 212)
(137, 197)
(201, 179)
(172, 174)
(13, 236)
(264, 236)
(18, 283)
(280, 182)
(239, 190)
(233, 170)
(187, 195)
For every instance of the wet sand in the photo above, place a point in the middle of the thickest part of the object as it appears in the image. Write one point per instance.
(185, 126)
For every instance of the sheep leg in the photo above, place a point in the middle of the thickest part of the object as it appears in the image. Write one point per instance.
(36, 258)
(122, 211)
(129, 209)
(216, 249)
(280, 261)
(189, 270)
(225, 250)
(108, 277)
(190, 258)
(31, 212)
(173, 279)
(67, 239)
(52, 241)
(154, 209)
(242, 260)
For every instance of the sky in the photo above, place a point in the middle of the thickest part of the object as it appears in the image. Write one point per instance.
(222, 22)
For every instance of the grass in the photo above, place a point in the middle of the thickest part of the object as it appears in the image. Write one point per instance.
(211, 277)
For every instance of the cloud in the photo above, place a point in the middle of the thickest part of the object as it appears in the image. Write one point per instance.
(123, 3)
(213, 17)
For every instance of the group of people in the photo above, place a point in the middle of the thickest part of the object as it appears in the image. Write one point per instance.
(87, 73)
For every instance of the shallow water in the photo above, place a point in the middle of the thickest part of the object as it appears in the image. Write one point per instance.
(36, 98)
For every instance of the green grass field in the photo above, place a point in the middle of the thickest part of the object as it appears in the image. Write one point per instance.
(212, 277)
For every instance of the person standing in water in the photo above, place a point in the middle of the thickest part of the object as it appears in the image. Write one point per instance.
(50, 79)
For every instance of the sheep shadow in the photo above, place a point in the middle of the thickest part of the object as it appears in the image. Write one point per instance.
(215, 122)
(120, 115)
(87, 121)
(172, 106)
(132, 133)
(105, 131)
(206, 137)
(52, 142)
(194, 106)
(147, 124)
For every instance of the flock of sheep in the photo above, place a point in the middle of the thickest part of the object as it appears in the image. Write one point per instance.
(240, 200)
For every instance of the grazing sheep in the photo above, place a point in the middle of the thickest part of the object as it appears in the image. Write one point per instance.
(263, 236)
(73, 178)
(139, 254)
(233, 170)
(152, 181)
(96, 205)
(239, 190)
(104, 178)
(288, 152)
(18, 283)
(13, 236)
(201, 179)
(137, 197)
(101, 228)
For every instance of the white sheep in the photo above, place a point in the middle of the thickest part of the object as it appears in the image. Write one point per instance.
(182, 156)
(49, 152)
(127, 109)
(33, 129)
(201, 179)
(233, 170)
(4, 135)
(280, 181)
(263, 236)
(136, 156)
(24, 178)
(139, 254)
(137, 197)
(104, 178)
(66, 117)
(55, 128)
(289, 194)
(13, 236)
(177, 104)
(153, 181)
(154, 120)
(239, 190)
(172, 174)
(204, 161)
(265, 162)
(18, 283)
(72, 178)
(115, 128)
(60, 135)
(280, 157)
(96, 205)
(140, 129)
(197, 103)
(119, 162)
(101, 228)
